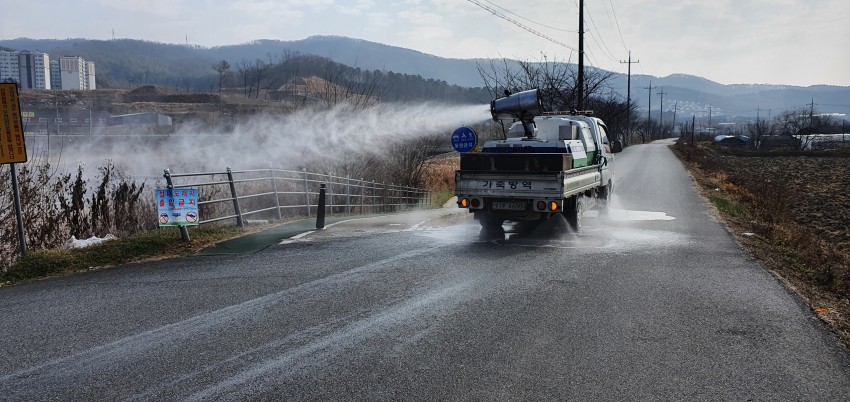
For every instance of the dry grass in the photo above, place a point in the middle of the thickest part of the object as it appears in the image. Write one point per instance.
(56, 206)
(150, 245)
(797, 209)
(439, 178)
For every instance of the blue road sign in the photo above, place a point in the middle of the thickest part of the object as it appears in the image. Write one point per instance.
(464, 139)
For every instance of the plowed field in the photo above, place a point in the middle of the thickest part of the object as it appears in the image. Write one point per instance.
(791, 209)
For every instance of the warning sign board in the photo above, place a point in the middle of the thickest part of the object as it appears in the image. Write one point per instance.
(12, 146)
(177, 207)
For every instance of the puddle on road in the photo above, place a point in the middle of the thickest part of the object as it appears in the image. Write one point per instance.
(624, 215)
(556, 233)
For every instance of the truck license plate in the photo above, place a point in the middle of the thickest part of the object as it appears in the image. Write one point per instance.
(511, 206)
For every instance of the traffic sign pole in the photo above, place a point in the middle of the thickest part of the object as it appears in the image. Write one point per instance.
(184, 232)
(13, 147)
(22, 235)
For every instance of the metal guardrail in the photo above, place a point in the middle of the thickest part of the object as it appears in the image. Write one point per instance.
(276, 193)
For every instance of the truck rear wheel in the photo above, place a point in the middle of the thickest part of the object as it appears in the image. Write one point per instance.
(490, 223)
(605, 195)
(573, 209)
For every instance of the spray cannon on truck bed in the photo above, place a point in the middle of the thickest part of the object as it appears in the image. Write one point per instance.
(549, 163)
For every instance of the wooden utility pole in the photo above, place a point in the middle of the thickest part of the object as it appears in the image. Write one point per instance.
(661, 108)
(812, 114)
(709, 117)
(580, 83)
(629, 95)
(693, 127)
(649, 108)
(675, 109)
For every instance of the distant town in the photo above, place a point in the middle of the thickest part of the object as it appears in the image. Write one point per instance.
(35, 70)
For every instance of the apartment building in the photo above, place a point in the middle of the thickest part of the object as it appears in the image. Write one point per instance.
(90, 78)
(35, 70)
(73, 72)
(29, 70)
(55, 75)
(9, 67)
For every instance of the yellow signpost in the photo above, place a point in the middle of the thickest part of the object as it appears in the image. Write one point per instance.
(12, 146)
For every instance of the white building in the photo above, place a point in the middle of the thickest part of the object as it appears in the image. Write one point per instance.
(90, 79)
(29, 70)
(73, 72)
(34, 70)
(9, 67)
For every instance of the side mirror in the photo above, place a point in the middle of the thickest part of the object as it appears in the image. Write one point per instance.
(617, 146)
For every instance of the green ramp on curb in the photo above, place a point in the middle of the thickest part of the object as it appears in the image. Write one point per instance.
(254, 242)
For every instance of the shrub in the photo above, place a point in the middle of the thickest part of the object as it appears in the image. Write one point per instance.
(55, 206)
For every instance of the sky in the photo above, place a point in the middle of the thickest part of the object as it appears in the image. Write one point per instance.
(790, 42)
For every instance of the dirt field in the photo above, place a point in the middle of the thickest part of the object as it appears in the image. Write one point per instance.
(791, 209)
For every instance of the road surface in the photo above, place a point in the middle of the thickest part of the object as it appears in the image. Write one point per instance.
(654, 302)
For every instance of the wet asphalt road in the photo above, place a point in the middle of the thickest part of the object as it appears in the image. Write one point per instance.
(654, 302)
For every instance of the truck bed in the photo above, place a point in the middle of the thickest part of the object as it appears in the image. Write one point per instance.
(515, 162)
(518, 184)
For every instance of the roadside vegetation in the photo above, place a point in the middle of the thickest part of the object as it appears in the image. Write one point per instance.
(57, 206)
(60, 206)
(148, 245)
(790, 209)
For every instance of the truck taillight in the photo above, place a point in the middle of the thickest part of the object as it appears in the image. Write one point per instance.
(470, 202)
(547, 206)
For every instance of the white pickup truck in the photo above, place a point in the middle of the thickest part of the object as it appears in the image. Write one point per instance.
(549, 163)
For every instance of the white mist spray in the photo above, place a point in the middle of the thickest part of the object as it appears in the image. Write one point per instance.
(285, 141)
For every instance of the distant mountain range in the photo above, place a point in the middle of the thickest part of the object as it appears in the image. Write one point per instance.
(125, 60)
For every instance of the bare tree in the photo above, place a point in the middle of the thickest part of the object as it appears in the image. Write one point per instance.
(244, 68)
(794, 124)
(758, 131)
(410, 157)
(223, 70)
(613, 110)
(186, 82)
(686, 130)
(556, 81)
(341, 87)
(259, 71)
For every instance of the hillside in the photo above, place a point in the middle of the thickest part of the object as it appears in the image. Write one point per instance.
(129, 63)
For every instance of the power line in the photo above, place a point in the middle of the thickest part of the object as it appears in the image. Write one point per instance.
(617, 24)
(605, 53)
(521, 25)
(594, 61)
(527, 19)
(602, 46)
(598, 39)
